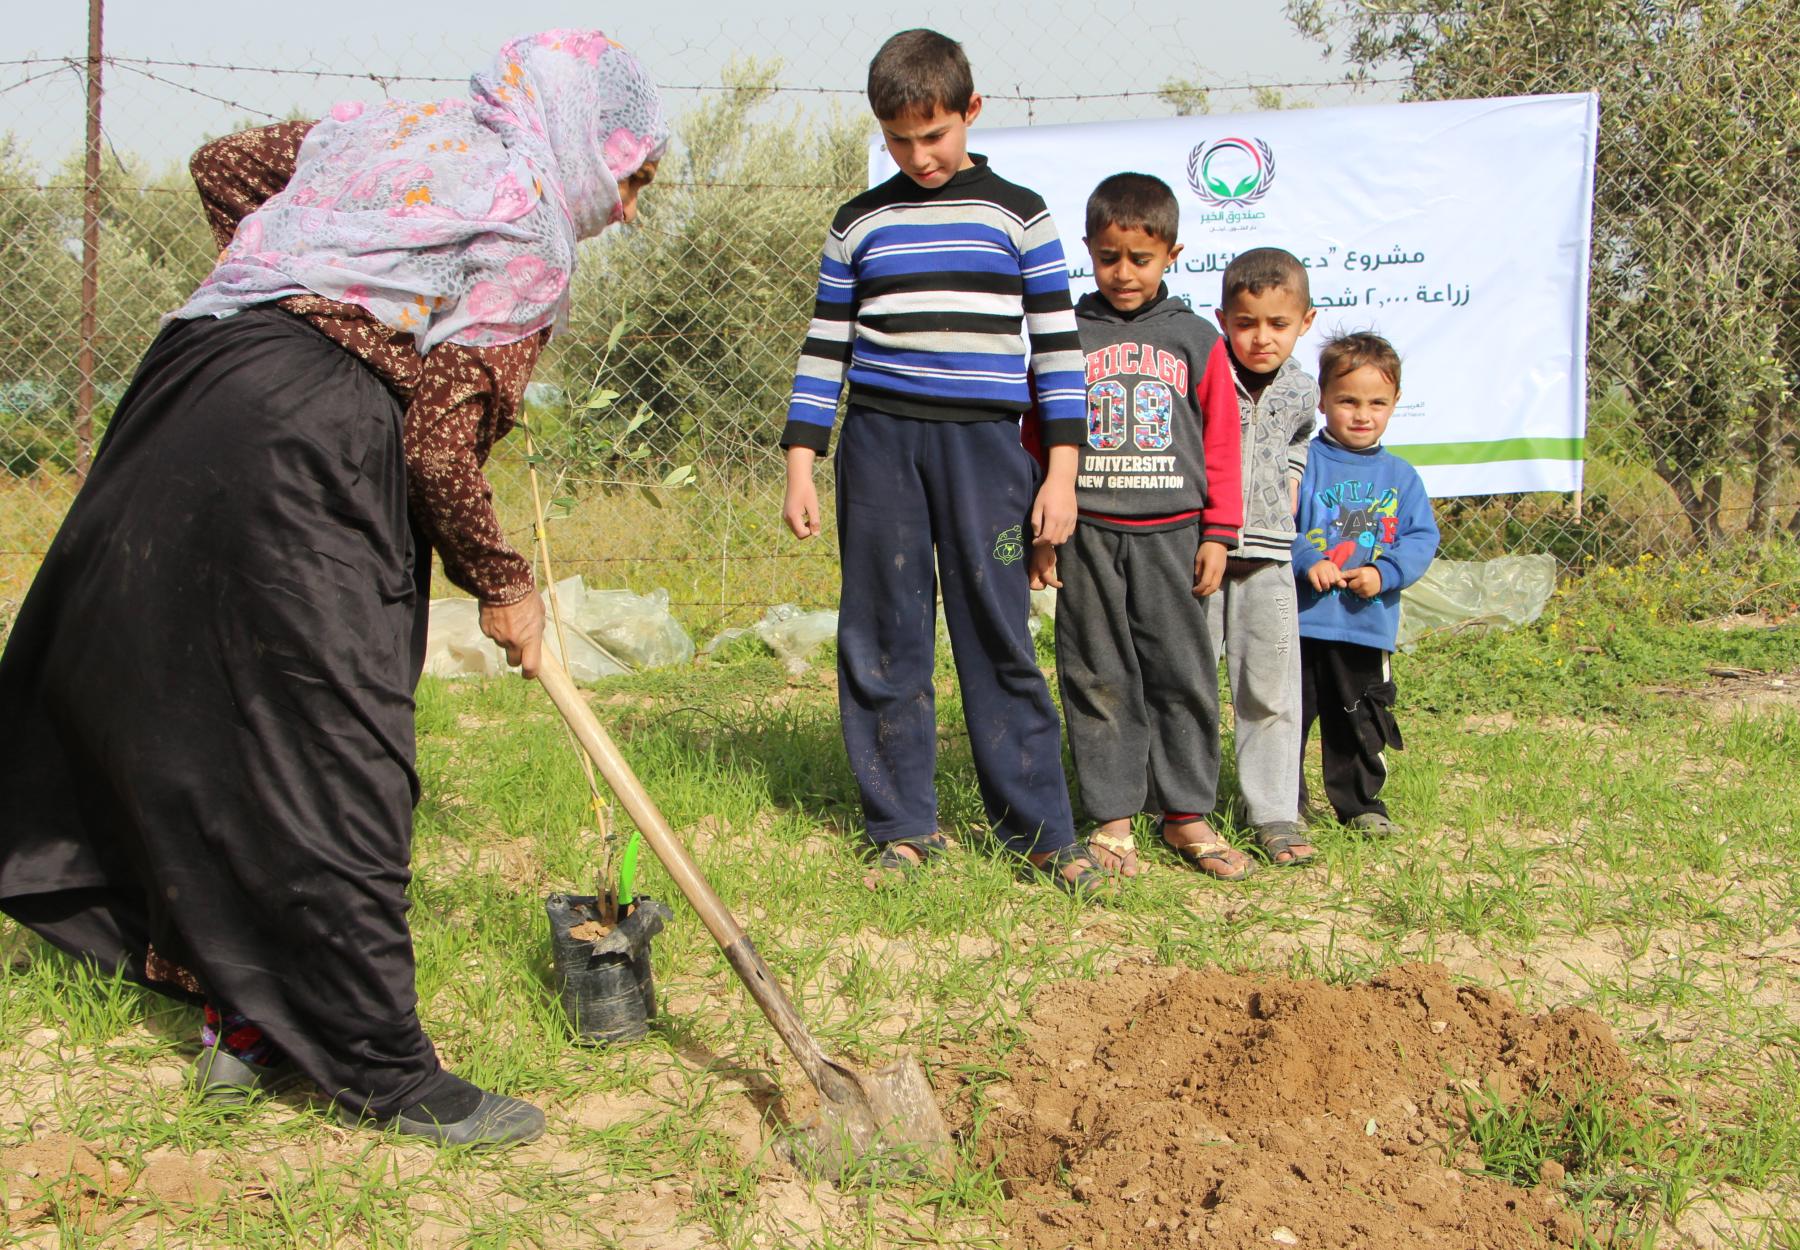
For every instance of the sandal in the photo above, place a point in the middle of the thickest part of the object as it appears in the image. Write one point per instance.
(1120, 846)
(1086, 881)
(1213, 847)
(893, 864)
(1284, 837)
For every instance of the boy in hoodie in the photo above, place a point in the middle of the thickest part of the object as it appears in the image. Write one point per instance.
(1158, 509)
(1366, 531)
(1267, 307)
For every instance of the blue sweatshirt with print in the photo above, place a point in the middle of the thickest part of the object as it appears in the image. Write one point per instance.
(1357, 508)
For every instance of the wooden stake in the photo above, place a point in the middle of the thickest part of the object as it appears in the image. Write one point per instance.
(605, 891)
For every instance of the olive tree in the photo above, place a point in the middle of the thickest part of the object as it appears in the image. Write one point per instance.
(696, 315)
(1697, 200)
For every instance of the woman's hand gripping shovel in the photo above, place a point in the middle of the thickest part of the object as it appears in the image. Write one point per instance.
(886, 1120)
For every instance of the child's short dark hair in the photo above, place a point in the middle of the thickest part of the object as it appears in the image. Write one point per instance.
(1349, 352)
(920, 71)
(1260, 268)
(1135, 202)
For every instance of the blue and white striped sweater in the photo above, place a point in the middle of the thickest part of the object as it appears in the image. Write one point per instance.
(927, 299)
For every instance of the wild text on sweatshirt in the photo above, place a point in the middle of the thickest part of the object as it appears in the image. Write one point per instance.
(1360, 508)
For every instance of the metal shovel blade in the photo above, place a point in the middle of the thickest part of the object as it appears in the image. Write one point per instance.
(882, 1125)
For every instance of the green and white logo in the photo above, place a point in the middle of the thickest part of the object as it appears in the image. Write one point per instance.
(1231, 173)
(1009, 547)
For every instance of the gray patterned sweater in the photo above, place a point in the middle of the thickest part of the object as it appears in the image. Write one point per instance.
(1277, 429)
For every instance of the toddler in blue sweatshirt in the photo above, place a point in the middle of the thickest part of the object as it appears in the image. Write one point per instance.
(1363, 533)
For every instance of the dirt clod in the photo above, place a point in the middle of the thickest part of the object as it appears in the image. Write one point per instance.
(172, 1177)
(56, 1169)
(1250, 1112)
(62, 1172)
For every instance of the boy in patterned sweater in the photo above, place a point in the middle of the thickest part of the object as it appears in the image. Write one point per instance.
(929, 288)
(1267, 307)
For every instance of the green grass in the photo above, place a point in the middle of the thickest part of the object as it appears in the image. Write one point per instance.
(1579, 832)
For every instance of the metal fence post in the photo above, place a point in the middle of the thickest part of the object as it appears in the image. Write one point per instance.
(90, 251)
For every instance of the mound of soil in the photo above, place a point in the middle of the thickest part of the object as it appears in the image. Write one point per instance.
(1164, 1109)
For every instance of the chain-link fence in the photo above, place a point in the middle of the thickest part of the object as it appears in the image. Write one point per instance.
(686, 328)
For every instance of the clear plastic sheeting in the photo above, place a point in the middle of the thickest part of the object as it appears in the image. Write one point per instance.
(609, 632)
(455, 645)
(612, 632)
(794, 635)
(637, 629)
(1476, 594)
(791, 634)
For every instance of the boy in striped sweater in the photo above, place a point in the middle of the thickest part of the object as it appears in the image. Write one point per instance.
(938, 291)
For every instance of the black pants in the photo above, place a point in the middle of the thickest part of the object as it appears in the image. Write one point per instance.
(1140, 682)
(206, 704)
(1346, 687)
(909, 490)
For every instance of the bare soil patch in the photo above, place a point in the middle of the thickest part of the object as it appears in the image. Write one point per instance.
(1745, 620)
(1735, 691)
(1506, 722)
(59, 1171)
(1161, 1109)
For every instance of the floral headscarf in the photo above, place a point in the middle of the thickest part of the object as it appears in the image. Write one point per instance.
(456, 220)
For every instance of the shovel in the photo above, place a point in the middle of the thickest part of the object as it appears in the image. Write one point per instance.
(887, 1120)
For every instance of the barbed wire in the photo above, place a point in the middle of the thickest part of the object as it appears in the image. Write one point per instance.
(661, 182)
(31, 78)
(383, 78)
(205, 95)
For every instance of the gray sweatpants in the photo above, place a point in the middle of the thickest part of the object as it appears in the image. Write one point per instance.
(1253, 620)
(1139, 676)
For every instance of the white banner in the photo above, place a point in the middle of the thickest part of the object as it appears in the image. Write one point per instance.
(1458, 229)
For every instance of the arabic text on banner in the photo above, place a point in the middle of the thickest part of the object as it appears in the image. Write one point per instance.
(1458, 229)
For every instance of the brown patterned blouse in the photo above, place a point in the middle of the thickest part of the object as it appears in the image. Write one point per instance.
(459, 400)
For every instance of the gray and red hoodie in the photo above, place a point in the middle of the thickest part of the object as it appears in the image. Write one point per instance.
(1163, 429)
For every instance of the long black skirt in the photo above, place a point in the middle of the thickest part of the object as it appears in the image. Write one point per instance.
(206, 703)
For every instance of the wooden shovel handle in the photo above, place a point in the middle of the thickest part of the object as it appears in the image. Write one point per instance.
(830, 1078)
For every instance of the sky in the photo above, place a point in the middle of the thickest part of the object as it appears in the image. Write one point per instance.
(1114, 56)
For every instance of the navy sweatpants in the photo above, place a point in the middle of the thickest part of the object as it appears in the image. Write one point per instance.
(964, 489)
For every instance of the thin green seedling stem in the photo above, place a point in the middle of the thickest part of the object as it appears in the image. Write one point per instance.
(628, 869)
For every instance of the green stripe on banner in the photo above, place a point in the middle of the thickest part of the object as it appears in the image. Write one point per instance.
(1421, 454)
